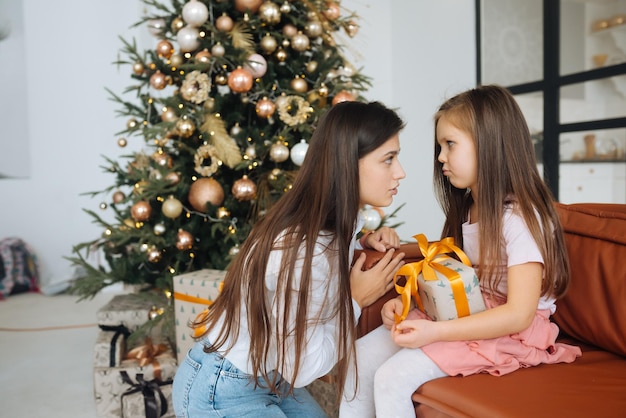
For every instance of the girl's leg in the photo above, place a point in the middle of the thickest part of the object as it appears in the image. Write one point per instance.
(397, 379)
(372, 350)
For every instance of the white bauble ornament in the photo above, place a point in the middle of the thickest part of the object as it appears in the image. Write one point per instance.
(279, 152)
(195, 13)
(298, 152)
(257, 65)
(372, 219)
(187, 39)
(156, 27)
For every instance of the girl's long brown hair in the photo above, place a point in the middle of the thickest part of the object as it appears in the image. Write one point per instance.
(324, 199)
(506, 170)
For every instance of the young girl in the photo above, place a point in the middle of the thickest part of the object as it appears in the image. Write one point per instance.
(499, 211)
(290, 301)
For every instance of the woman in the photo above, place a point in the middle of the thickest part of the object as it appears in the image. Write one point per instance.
(287, 313)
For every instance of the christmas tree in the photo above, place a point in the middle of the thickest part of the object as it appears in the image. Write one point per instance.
(226, 100)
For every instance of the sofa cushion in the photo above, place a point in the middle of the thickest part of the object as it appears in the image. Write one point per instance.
(592, 386)
(594, 308)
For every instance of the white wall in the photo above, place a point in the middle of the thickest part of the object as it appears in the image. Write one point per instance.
(417, 52)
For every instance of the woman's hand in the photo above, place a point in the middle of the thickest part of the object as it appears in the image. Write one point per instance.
(389, 311)
(368, 286)
(382, 239)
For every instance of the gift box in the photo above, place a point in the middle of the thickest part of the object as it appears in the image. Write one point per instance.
(443, 288)
(110, 346)
(193, 293)
(155, 362)
(147, 398)
(131, 310)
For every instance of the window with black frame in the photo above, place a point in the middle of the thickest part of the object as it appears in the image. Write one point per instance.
(565, 62)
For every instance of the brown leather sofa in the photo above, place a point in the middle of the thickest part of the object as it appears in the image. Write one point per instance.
(592, 315)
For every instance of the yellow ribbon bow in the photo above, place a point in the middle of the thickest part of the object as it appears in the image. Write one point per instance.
(147, 353)
(428, 267)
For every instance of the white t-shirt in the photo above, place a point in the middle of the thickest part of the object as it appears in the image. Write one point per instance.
(320, 352)
(519, 248)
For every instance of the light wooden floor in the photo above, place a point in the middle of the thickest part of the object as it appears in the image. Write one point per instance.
(46, 350)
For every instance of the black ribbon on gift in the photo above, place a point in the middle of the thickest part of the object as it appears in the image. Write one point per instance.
(119, 330)
(149, 390)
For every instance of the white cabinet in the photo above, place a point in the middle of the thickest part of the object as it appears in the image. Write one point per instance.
(592, 182)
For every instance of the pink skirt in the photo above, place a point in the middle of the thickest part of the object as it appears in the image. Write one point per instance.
(498, 356)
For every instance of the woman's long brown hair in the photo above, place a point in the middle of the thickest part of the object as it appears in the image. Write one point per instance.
(324, 199)
(507, 169)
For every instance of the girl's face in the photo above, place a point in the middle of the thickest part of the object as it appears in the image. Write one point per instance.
(380, 173)
(458, 155)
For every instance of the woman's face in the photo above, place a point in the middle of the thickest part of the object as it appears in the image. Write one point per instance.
(458, 155)
(380, 173)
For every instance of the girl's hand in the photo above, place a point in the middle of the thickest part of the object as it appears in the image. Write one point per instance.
(368, 286)
(382, 239)
(389, 310)
(414, 333)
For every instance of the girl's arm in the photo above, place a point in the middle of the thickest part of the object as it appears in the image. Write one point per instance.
(524, 291)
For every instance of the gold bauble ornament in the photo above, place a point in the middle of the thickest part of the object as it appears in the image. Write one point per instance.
(162, 159)
(141, 211)
(323, 90)
(205, 190)
(172, 177)
(158, 80)
(343, 96)
(224, 23)
(332, 11)
(281, 55)
(244, 189)
(269, 12)
(251, 5)
(289, 30)
(172, 208)
(279, 152)
(218, 50)
(185, 127)
(299, 85)
(184, 240)
(168, 114)
(311, 66)
(251, 152)
(313, 28)
(240, 80)
(268, 44)
(118, 197)
(285, 7)
(265, 108)
(222, 212)
(352, 28)
(164, 49)
(176, 60)
(121, 142)
(159, 229)
(300, 42)
(177, 24)
(138, 68)
(154, 255)
(203, 57)
(221, 79)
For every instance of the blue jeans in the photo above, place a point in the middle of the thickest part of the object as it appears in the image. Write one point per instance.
(208, 385)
